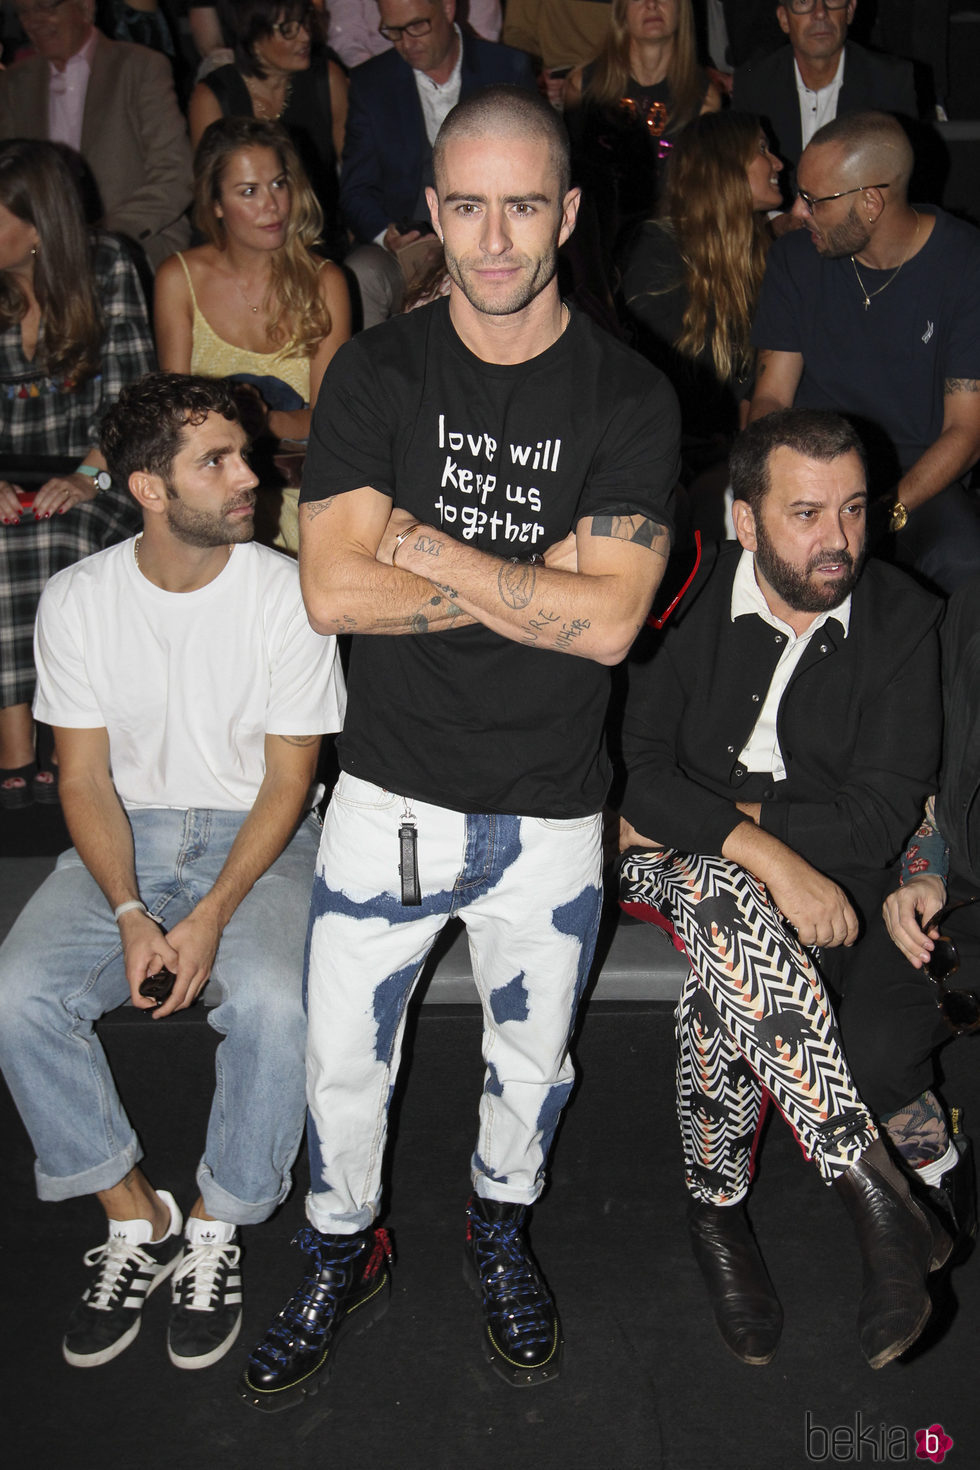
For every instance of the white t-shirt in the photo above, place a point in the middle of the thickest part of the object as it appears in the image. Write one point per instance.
(188, 684)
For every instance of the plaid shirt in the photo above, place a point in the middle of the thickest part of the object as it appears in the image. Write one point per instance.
(50, 416)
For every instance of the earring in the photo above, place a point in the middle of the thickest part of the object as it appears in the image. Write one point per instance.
(33, 249)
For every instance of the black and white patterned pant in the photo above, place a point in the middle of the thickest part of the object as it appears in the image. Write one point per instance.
(753, 1018)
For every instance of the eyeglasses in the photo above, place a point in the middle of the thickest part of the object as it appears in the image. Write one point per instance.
(960, 1009)
(413, 28)
(811, 203)
(803, 7)
(38, 7)
(290, 29)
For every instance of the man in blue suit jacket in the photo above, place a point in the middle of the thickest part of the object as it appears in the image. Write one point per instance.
(397, 102)
(819, 76)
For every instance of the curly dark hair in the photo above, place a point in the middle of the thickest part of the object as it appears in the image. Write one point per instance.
(144, 428)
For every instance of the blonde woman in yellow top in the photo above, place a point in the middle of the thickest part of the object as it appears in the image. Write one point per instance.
(254, 303)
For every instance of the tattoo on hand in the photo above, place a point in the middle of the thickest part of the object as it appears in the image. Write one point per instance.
(313, 508)
(961, 385)
(641, 530)
(515, 583)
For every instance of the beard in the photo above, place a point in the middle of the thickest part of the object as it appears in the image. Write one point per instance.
(204, 528)
(848, 238)
(535, 275)
(795, 586)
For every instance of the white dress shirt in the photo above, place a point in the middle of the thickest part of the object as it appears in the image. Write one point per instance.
(762, 751)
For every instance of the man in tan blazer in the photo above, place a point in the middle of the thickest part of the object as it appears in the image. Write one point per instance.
(114, 103)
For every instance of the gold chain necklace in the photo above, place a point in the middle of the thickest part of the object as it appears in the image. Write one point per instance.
(264, 109)
(870, 296)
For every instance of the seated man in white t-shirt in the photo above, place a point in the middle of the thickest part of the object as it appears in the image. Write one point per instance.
(188, 695)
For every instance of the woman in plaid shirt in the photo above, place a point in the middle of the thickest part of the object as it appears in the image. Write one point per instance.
(73, 333)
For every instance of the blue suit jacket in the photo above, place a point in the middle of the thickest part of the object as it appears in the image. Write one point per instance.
(387, 158)
(871, 83)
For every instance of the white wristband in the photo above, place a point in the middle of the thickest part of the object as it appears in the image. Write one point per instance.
(125, 908)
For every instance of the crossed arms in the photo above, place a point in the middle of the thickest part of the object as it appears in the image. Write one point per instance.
(589, 598)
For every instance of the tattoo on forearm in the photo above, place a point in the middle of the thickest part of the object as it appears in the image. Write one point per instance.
(540, 623)
(313, 508)
(428, 545)
(344, 624)
(449, 592)
(560, 639)
(961, 385)
(641, 530)
(515, 582)
(436, 611)
(300, 739)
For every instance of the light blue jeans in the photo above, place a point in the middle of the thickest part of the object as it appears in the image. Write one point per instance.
(61, 969)
(529, 892)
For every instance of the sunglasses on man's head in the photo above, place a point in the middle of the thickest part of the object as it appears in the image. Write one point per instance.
(960, 1009)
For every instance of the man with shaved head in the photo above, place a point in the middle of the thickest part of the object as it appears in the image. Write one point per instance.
(874, 310)
(486, 509)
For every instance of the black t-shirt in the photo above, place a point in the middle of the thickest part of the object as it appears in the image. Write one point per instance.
(507, 459)
(884, 366)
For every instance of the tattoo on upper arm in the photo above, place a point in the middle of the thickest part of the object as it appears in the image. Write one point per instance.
(300, 739)
(641, 530)
(515, 583)
(961, 385)
(313, 508)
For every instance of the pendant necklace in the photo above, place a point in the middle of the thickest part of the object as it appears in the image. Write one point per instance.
(869, 296)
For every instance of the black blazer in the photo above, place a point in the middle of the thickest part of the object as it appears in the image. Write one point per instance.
(871, 83)
(859, 725)
(387, 158)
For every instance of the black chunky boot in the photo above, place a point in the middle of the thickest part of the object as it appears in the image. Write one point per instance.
(345, 1289)
(745, 1304)
(522, 1335)
(900, 1242)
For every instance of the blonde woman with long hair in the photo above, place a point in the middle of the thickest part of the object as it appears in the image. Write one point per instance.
(254, 302)
(627, 106)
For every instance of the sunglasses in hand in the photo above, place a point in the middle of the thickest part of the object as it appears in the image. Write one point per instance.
(960, 1009)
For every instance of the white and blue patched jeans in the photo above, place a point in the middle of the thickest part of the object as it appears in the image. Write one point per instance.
(529, 891)
(61, 968)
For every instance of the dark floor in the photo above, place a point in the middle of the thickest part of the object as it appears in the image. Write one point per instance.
(647, 1382)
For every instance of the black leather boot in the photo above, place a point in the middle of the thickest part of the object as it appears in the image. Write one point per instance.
(900, 1242)
(346, 1288)
(745, 1304)
(522, 1335)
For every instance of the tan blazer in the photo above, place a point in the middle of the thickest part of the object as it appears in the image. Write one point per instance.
(134, 139)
